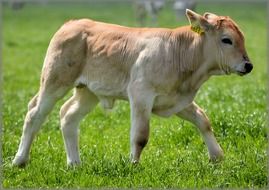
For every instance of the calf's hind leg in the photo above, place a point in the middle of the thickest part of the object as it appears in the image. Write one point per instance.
(195, 115)
(81, 103)
(33, 102)
(38, 109)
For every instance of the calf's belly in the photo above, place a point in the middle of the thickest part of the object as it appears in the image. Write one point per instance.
(110, 83)
(105, 78)
(107, 88)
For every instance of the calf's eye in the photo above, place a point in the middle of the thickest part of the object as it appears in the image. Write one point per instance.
(227, 41)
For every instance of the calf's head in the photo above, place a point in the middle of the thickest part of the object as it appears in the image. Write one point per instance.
(224, 43)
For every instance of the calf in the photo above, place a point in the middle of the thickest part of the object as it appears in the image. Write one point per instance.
(181, 5)
(148, 7)
(157, 70)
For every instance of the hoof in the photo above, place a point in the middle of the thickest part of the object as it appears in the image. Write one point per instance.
(19, 161)
(73, 164)
(135, 162)
(215, 158)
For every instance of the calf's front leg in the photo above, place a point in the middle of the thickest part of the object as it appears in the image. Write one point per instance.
(196, 115)
(141, 102)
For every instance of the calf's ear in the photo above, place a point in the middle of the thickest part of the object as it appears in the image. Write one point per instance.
(208, 15)
(197, 21)
(211, 18)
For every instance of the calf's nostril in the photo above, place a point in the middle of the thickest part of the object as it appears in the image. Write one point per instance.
(248, 67)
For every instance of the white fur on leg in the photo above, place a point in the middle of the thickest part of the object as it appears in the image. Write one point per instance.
(214, 149)
(72, 112)
(70, 133)
(35, 116)
(196, 115)
(22, 155)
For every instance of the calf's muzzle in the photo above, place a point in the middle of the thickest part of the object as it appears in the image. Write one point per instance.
(248, 67)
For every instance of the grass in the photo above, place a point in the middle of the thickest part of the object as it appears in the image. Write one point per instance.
(176, 156)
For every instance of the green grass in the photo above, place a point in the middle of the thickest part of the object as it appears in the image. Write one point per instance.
(176, 156)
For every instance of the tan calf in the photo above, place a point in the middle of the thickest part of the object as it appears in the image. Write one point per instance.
(157, 70)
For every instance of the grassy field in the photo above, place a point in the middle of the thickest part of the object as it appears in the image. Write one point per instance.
(176, 156)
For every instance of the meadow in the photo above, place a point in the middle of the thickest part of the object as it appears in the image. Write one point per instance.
(176, 156)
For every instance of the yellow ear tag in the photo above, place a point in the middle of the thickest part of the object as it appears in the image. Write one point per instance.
(197, 29)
